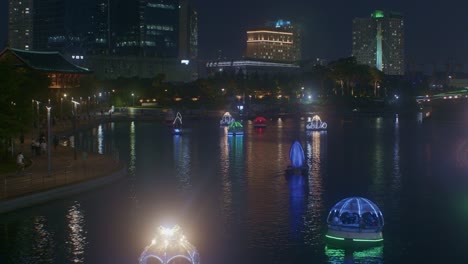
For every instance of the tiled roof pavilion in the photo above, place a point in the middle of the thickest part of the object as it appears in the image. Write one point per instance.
(62, 73)
(48, 61)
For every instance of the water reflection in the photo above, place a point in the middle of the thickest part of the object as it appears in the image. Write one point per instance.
(316, 158)
(132, 164)
(43, 246)
(76, 239)
(297, 185)
(182, 161)
(100, 137)
(232, 167)
(372, 255)
(377, 166)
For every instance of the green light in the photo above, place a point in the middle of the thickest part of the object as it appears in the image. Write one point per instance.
(367, 240)
(378, 14)
(332, 237)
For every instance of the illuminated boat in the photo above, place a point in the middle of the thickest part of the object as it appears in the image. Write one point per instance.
(235, 129)
(315, 124)
(355, 220)
(259, 121)
(226, 120)
(169, 246)
(297, 157)
(177, 124)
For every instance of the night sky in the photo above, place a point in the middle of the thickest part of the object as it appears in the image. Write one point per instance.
(436, 31)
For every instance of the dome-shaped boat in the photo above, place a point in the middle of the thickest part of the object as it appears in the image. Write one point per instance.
(355, 219)
(259, 121)
(297, 158)
(168, 245)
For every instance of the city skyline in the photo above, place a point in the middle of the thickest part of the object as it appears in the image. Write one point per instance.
(434, 32)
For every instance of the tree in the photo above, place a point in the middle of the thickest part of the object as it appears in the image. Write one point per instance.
(18, 87)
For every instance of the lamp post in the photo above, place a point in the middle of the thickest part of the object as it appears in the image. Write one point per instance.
(38, 125)
(49, 139)
(32, 121)
(74, 127)
(133, 99)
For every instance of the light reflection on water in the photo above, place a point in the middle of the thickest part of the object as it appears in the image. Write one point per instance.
(244, 192)
(182, 161)
(76, 239)
(316, 158)
(373, 255)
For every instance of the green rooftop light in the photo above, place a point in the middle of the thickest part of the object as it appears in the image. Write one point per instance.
(378, 14)
(332, 237)
(368, 240)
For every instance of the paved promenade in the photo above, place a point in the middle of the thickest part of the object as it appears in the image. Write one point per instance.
(65, 169)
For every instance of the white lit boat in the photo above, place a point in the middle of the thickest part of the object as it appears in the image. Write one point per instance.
(177, 124)
(315, 124)
(226, 120)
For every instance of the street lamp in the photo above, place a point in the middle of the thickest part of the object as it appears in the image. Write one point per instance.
(38, 125)
(49, 139)
(74, 127)
(133, 99)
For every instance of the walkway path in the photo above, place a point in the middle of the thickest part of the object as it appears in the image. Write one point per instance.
(65, 170)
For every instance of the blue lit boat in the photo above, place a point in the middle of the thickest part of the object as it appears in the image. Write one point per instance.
(177, 125)
(235, 129)
(297, 157)
(354, 221)
(226, 120)
(316, 124)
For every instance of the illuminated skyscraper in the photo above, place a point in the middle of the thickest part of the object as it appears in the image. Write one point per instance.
(379, 41)
(279, 41)
(20, 24)
(158, 28)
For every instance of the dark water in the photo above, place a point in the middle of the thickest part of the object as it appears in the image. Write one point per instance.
(235, 205)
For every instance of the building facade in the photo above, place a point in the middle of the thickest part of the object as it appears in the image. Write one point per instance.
(277, 41)
(84, 31)
(379, 41)
(20, 24)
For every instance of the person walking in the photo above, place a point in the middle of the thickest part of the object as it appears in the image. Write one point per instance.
(20, 162)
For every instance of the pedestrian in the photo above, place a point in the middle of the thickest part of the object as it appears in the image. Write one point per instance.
(20, 162)
(56, 142)
(44, 147)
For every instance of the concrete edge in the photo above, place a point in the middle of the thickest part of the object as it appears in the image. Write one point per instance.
(53, 194)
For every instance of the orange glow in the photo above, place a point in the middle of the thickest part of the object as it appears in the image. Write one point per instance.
(269, 31)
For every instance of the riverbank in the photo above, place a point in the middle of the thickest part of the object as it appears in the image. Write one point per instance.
(68, 173)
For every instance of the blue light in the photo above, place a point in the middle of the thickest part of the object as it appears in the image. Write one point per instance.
(296, 155)
(282, 23)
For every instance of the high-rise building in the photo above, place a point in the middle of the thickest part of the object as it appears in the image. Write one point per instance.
(276, 41)
(379, 41)
(188, 31)
(20, 24)
(67, 26)
(159, 28)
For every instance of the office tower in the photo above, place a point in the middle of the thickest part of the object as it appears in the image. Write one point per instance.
(278, 41)
(158, 28)
(379, 41)
(188, 31)
(20, 24)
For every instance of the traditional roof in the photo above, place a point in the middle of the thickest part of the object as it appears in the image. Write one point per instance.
(49, 61)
